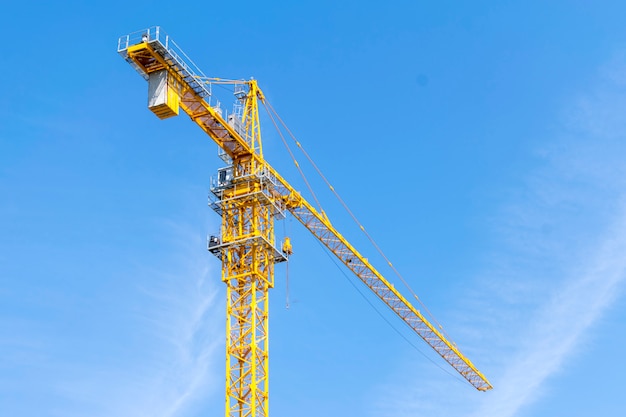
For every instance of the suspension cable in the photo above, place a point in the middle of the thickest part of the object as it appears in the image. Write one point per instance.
(401, 334)
(268, 107)
(295, 161)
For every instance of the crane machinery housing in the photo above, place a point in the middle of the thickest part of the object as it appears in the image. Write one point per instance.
(249, 195)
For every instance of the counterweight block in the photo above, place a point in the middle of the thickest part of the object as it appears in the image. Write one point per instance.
(163, 99)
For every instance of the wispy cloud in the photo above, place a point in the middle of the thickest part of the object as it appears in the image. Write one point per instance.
(560, 267)
(559, 328)
(170, 367)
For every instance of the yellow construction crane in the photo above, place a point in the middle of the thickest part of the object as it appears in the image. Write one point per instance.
(250, 195)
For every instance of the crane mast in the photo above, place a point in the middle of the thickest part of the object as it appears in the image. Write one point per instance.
(248, 255)
(250, 195)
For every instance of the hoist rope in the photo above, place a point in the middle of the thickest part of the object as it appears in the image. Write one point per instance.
(286, 272)
(287, 286)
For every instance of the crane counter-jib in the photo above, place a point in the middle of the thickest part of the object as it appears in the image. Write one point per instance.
(176, 82)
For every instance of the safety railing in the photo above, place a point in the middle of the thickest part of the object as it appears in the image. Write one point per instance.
(164, 45)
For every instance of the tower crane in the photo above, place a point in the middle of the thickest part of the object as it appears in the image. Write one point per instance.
(249, 195)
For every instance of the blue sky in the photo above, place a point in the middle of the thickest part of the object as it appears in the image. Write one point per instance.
(480, 143)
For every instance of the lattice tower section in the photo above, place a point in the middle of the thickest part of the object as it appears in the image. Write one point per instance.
(248, 271)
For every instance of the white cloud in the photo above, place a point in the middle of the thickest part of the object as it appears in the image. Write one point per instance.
(560, 268)
(172, 366)
(559, 328)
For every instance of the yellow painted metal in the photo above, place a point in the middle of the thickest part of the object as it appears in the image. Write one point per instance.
(148, 60)
(287, 248)
(248, 271)
(170, 107)
(248, 233)
(251, 118)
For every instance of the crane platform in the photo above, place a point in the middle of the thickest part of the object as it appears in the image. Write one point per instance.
(173, 55)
